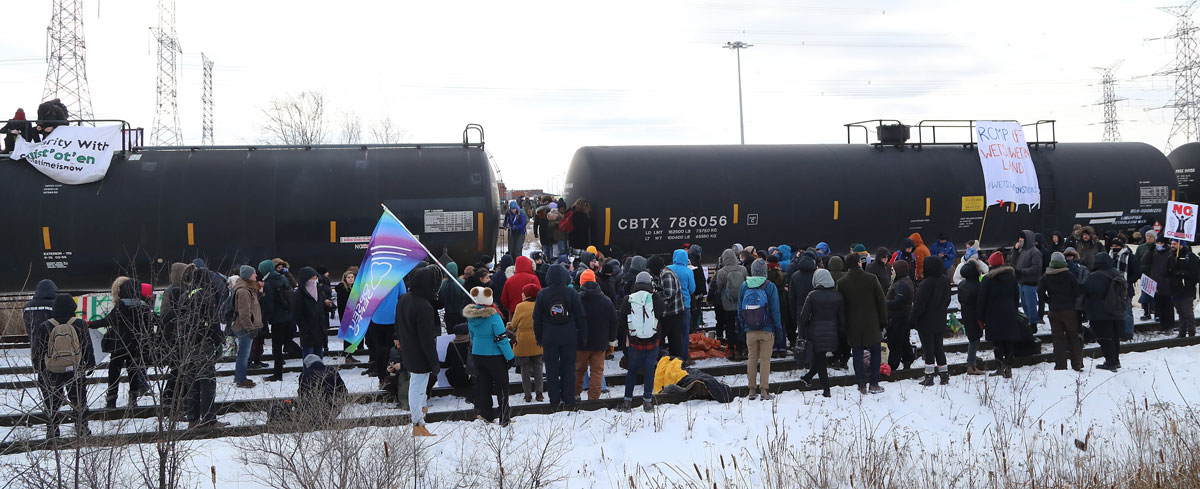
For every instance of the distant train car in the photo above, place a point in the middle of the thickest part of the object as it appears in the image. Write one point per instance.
(1185, 160)
(652, 199)
(239, 205)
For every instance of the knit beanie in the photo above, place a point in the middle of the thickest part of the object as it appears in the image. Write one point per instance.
(311, 359)
(530, 290)
(245, 272)
(587, 276)
(858, 248)
(996, 260)
(642, 278)
(1058, 260)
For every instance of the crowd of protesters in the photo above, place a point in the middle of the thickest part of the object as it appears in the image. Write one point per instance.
(557, 313)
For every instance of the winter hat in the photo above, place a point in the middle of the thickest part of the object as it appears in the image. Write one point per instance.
(564, 259)
(1071, 254)
(512, 204)
(737, 248)
(147, 290)
(1150, 234)
(265, 268)
(530, 290)
(537, 255)
(310, 359)
(245, 272)
(822, 279)
(758, 268)
(642, 278)
(858, 248)
(656, 263)
(553, 206)
(592, 249)
(772, 262)
(587, 276)
(1058, 260)
(64, 306)
(996, 260)
(482, 295)
(1116, 242)
(199, 262)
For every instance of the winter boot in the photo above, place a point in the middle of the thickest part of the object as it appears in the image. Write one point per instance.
(944, 374)
(647, 405)
(928, 380)
(625, 407)
(419, 430)
(875, 389)
(972, 370)
(862, 389)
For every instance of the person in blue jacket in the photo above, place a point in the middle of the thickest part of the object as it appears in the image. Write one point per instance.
(491, 349)
(758, 317)
(785, 257)
(944, 250)
(687, 285)
(515, 221)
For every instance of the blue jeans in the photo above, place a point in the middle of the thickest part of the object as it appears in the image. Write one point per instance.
(312, 350)
(1128, 322)
(1029, 304)
(244, 340)
(559, 248)
(644, 361)
(856, 356)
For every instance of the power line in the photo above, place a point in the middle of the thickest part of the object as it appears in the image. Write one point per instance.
(206, 98)
(166, 117)
(66, 66)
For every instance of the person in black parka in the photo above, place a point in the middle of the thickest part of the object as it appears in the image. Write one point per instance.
(928, 317)
(560, 326)
(1105, 324)
(417, 329)
(53, 384)
(321, 391)
(899, 300)
(999, 299)
(819, 321)
(968, 303)
(132, 322)
(310, 314)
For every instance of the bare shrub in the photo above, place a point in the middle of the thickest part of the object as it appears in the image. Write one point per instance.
(501, 460)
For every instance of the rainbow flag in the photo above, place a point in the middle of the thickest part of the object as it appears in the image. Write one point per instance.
(391, 254)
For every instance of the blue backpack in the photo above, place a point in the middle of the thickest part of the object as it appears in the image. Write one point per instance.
(755, 309)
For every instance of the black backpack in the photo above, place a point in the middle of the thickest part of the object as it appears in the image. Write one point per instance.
(228, 312)
(1116, 300)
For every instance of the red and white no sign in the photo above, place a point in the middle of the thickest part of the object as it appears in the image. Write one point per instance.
(1181, 221)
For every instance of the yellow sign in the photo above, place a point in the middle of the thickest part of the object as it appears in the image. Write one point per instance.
(972, 203)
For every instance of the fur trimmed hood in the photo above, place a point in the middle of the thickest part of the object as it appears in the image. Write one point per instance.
(476, 312)
(1001, 269)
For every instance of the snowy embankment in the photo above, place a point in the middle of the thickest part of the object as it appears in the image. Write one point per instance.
(1031, 426)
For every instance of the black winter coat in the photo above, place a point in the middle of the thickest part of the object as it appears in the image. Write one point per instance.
(417, 322)
(601, 318)
(132, 320)
(1184, 271)
(580, 236)
(1095, 289)
(883, 271)
(933, 298)
(801, 282)
(821, 318)
(559, 291)
(276, 300)
(1059, 289)
(968, 303)
(998, 302)
(1155, 265)
(310, 315)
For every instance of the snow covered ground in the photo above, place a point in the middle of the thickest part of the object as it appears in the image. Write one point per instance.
(976, 421)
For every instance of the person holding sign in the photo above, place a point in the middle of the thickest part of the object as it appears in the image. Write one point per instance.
(1155, 265)
(1184, 270)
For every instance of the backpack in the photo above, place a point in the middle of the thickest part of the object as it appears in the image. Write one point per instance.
(642, 323)
(565, 224)
(559, 313)
(1116, 300)
(228, 311)
(733, 284)
(63, 352)
(754, 309)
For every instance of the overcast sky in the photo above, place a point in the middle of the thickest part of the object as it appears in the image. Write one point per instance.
(545, 78)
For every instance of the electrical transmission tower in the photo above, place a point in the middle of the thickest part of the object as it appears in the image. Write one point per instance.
(206, 132)
(1186, 71)
(1109, 99)
(166, 117)
(66, 70)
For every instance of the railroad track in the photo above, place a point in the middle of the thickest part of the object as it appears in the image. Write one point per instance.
(260, 405)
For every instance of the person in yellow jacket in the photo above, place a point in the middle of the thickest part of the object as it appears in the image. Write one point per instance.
(527, 351)
(668, 371)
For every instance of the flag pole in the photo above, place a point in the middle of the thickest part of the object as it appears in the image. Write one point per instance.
(435, 260)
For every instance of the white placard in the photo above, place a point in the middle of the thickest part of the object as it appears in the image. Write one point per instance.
(72, 154)
(1149, 286)
(1008, 172)
(1181, 221)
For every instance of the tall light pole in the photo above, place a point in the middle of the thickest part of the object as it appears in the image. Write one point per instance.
(737, 47)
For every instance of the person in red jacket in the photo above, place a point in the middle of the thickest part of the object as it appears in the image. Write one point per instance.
(511, 296)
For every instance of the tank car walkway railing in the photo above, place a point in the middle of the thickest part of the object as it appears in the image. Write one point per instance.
(131, 137)
(929, 127)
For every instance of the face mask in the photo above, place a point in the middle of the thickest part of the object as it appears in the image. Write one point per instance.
(1159, 246)
(311, 288)
(284, 270)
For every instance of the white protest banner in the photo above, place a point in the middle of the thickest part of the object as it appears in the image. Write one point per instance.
(1149, 286)
(72, 154)
(1008, 173)
(1181, 221)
